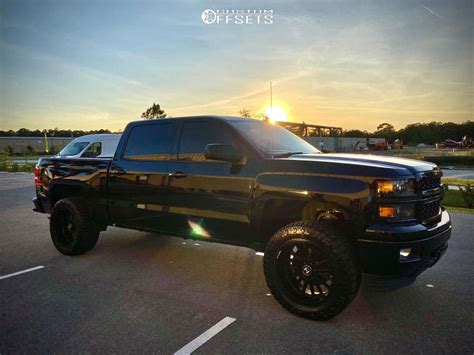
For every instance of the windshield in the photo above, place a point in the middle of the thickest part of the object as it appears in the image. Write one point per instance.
(272, 140)
(73, 148)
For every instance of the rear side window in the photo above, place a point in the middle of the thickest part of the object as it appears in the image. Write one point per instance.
(196, 135)
(150, 142)
(94, 150)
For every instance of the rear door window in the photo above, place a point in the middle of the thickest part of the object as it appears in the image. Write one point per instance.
(150, 142)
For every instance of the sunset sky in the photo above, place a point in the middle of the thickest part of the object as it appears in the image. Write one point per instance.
(99, 64)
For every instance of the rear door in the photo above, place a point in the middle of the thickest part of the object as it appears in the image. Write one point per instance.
(208, 198)
(138, 174)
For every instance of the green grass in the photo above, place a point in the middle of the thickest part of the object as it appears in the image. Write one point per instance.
(460, 210)
(453, 198)
(13, 168)
(15, 163)
(462, 182)
(6, 164)
(454, 202)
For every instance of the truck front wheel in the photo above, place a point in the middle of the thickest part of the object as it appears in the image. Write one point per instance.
(72, 230)
(311, 269)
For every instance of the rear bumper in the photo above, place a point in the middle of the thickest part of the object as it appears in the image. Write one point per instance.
(40, 205)
(381, 256)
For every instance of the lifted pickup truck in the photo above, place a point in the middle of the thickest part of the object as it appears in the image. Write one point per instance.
(321, 219)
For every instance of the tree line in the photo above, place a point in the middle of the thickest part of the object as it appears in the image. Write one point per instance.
(153, 112)
(55, 132)
(428, 133)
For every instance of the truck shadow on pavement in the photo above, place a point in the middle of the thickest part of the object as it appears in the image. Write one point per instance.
(231, 277)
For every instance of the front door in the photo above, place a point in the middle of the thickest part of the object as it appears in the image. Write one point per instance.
(208, 199)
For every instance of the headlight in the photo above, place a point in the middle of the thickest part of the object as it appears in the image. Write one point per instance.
(400, 212)
(402, 187)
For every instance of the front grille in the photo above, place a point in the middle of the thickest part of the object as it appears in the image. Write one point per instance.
(428, 211)
(429, 183)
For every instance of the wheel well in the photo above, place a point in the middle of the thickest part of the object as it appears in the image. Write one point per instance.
(63, 191)
(279, 213)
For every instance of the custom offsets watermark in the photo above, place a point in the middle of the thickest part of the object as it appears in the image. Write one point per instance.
(237, 17)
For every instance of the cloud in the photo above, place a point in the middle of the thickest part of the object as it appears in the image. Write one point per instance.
(248, 95)
(329, 62)
(431, 11)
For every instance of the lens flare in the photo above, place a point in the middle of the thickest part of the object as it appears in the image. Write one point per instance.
(197, 230)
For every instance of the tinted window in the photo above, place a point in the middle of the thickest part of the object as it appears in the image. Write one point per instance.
(196, 135)
(150, 142)
(94, 150)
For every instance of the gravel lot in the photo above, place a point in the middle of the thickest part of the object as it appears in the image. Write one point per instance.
(141, 292)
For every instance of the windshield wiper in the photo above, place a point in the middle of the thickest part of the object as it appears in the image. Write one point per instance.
(285, 155)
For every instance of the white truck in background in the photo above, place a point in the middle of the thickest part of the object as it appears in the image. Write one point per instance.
(91, 146)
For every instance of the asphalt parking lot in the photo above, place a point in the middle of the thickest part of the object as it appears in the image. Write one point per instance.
(141, 292)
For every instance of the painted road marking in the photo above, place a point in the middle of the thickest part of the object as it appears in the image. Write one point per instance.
(204, 337)
(21, 272)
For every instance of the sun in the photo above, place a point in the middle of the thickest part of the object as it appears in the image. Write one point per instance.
(276, 114)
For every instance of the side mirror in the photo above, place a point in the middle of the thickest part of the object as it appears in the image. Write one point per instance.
(223, 152)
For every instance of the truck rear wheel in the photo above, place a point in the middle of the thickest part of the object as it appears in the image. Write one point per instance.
(311, 269)
(72, 230)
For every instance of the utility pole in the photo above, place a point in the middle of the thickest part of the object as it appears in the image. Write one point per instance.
(46, 147)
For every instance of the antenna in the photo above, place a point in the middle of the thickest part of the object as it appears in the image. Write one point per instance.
(271, 98)
(271, 110)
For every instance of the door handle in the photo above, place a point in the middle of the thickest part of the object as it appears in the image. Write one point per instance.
(177, 175)
(117, 171)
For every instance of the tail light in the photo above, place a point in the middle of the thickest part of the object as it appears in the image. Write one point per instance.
(38, 182)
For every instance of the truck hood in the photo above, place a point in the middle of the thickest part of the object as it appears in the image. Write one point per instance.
(380, 165)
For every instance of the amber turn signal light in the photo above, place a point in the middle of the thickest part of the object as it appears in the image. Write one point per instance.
(385, 186)
(387, 212)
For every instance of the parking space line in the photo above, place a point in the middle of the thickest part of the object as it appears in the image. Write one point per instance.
(204, 337)
(21, 272)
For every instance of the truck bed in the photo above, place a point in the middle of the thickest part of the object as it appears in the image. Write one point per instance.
(58, 177)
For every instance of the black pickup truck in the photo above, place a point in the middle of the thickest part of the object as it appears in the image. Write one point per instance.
(321, 219)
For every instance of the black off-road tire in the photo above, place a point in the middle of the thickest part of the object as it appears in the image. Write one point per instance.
(325, 240)
(72, 229)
